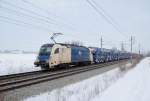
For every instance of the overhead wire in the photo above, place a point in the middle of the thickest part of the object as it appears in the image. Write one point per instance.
(21, 8)
(104, 11)
(23, 14)
(106, 16)
(18, 22)
(48, 12)
(103, 15)
(32, 13)
(18, 13)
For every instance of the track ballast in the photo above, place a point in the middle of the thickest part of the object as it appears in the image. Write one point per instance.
(15, 81)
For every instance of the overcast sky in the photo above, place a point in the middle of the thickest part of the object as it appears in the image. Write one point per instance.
(27, 24)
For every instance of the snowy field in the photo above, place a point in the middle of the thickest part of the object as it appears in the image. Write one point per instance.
(83, 91)
(16, 63)
(132, 86)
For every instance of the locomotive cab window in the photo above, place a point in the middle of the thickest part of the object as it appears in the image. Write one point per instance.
(44, 50)
(56, 51)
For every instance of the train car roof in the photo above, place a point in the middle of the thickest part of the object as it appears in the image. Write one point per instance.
(101, 49)
(63, 44)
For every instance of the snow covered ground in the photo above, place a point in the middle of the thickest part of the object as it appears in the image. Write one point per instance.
(132, 86)
(83, 91)
(16, 63)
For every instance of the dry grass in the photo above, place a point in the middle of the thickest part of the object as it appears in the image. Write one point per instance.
(2, 96)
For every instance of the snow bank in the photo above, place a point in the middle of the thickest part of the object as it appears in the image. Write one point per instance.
(82, 91)
(134, 86)
(16, 63)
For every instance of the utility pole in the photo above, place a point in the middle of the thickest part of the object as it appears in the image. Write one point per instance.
(139, 49)
(122, 46)
(101, 42)
(131, 46)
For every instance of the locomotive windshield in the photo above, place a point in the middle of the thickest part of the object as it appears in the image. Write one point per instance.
(45, 50)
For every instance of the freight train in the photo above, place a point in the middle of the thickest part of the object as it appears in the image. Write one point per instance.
(65, 55)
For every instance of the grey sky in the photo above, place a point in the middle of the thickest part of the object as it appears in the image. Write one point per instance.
(77, 20)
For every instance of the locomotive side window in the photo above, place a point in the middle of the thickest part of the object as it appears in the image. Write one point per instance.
(56, 51)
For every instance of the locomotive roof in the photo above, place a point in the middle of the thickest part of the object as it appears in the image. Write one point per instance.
(47, 45)
(102, 49)
(71, 45)
(63, 44)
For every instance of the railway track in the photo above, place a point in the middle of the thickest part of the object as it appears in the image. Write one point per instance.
(15, 81)
(4, 77)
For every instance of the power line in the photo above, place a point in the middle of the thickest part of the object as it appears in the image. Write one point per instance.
(13, 23)
(104, 11)
(32, 12)
(100, 13)
(35, 6)
(18, 22)
(105, 15)
(41, 9)
(26, 15)
(20, 25)
(21, 8)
